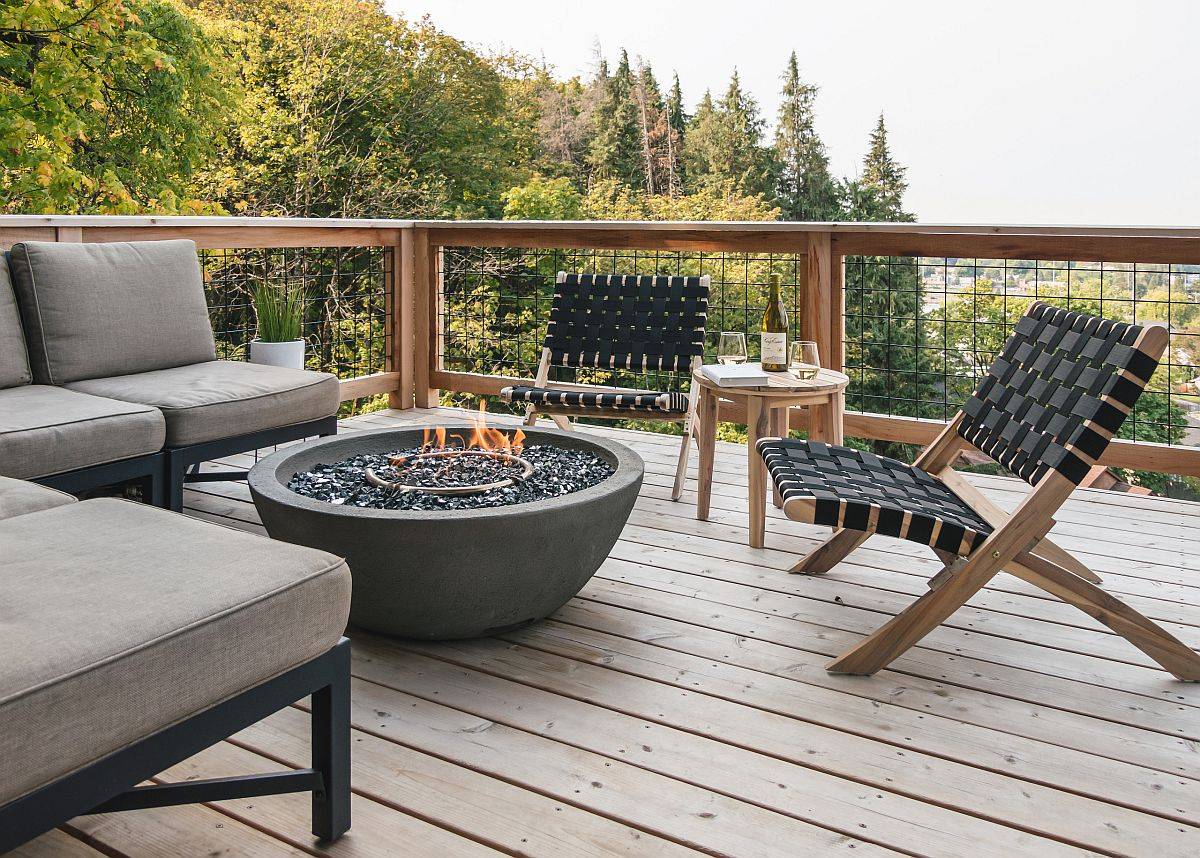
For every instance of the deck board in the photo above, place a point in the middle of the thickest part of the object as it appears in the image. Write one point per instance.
(679, 705)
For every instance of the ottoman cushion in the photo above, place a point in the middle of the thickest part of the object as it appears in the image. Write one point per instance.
(128, 619)
(18, 497)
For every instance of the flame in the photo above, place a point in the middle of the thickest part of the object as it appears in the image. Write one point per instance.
(482, 437)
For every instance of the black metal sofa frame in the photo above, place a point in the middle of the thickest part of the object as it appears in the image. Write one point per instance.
(110, 784)
(181, 465)
(147, 471)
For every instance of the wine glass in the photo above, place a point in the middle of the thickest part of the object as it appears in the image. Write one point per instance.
(732, 348)
(803, 360)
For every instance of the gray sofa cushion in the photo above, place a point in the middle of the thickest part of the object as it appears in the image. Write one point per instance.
(95, 310)
(120, 637)
(18, 497)
(220, 399)
(48, 430)
(14, 361)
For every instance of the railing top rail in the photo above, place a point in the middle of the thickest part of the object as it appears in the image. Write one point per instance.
(27, 221)
(768, 227)
(818, 226)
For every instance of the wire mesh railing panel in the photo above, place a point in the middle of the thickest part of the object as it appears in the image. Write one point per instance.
(920, 332)
(496, 303)
(347, 321)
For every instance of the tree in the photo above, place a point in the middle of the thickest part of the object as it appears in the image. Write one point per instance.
(883, 175)
(616, 149)
(724, 143)
(349, 111)
(806, 189)
(543, 199)
(105, 105)
(677, 121)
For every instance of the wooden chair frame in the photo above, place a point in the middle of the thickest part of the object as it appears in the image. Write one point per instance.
(1018, 545)
(561, 415)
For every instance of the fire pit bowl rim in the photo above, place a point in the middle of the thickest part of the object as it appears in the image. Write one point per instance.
(270, 476)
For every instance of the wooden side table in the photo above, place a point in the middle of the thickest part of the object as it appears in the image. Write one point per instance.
(766, 416)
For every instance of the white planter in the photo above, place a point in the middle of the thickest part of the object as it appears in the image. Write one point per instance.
(289, 354)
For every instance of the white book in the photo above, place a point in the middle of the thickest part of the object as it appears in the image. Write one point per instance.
(736, 374)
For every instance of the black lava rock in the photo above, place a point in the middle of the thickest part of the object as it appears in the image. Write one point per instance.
(557, 471)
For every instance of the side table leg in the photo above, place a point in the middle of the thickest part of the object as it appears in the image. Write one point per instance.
(756, 471)
(779, 429)
(835, 411)
(707, 432)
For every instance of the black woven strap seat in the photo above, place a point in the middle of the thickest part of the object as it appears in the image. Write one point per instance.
(843, 487)
(1058, 392)
(627, 321)
(649, 402)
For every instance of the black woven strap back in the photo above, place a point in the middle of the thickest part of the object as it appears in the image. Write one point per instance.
(1060, 389)
(627, 321)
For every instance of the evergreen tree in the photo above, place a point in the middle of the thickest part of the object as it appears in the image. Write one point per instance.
(651, 126)
(616, 147)
(883, 175)
(724, 144)
(699, 141)
(677, 121)
(806, 190)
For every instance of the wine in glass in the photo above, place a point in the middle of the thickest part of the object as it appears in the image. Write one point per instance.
(803, 360)
(731, 349)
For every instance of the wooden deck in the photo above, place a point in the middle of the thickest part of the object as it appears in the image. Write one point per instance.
(679, 705)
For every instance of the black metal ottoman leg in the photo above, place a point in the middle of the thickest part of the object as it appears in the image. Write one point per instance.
(331, 750)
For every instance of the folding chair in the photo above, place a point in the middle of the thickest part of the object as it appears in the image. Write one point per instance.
(620, 321)
(1047, 409)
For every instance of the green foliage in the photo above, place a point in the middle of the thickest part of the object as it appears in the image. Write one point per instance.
(280, 312)
(543, 199)
(349, 111)
(105, 106)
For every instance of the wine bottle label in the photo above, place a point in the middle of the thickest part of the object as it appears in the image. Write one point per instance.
(774, 349)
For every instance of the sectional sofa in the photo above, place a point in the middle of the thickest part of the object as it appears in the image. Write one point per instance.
(109, 373)
(134, 637)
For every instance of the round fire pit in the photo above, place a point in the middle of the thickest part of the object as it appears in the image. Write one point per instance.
(452, 573)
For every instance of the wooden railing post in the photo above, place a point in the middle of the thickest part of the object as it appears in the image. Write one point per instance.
(68, 233)
(817, 311)
(401, 295)
(427, 283)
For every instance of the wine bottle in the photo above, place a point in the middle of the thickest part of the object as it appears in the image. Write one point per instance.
(774, 331)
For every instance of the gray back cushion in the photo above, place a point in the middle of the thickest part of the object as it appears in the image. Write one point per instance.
(14, 362)
(98, 310)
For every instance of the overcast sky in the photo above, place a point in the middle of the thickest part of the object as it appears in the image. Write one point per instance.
(1058, 111)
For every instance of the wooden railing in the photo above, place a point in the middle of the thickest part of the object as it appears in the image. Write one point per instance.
(416, 372)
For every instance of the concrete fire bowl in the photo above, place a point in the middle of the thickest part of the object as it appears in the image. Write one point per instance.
(453, 574)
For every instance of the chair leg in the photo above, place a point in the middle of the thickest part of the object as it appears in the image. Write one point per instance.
(531, 416)
(1048, 550)
(682, 465)
(890, 641)
(1175, 657)
(331, 753)
(562, 422)
(830, 553)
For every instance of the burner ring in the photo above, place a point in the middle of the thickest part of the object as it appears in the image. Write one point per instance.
(526, 466)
